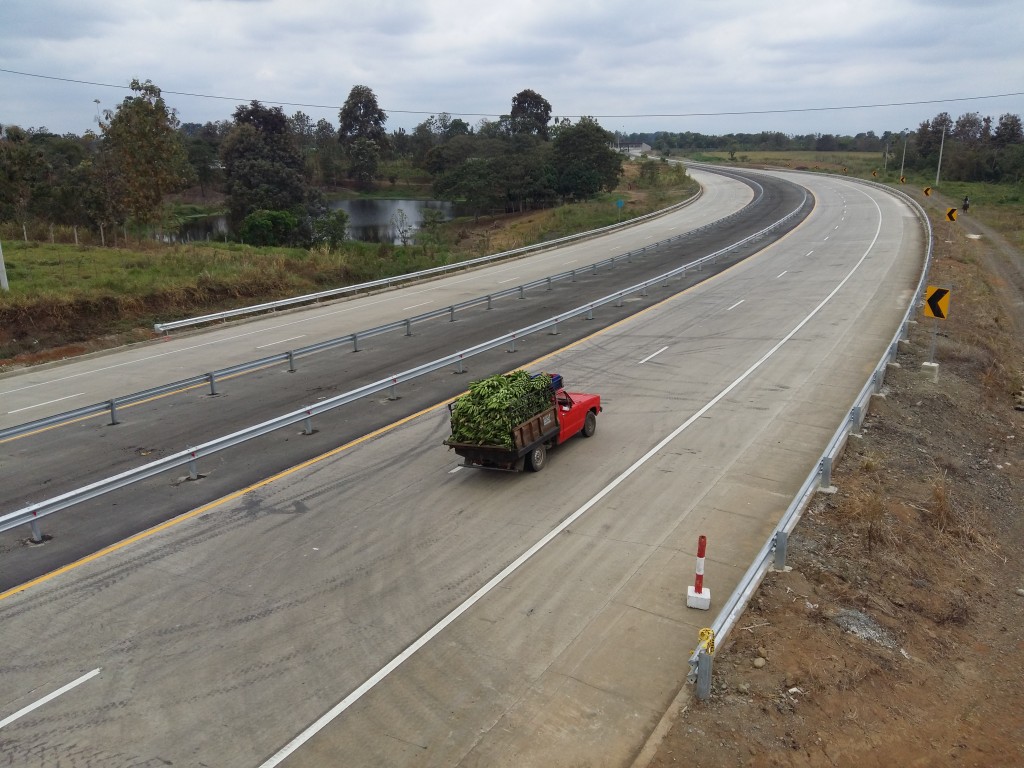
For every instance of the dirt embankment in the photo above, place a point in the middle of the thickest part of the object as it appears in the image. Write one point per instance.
(897, 639)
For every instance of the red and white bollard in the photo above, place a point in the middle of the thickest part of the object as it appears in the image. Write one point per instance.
(697, 596)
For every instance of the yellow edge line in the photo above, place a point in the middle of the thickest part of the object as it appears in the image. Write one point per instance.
(333, 452)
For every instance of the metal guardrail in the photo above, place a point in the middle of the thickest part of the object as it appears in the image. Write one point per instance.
(773, 552)
(33, 513)
(212, 377)
(387, 282)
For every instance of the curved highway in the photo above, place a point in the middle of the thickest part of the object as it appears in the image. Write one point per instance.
(379, 605)
(55, 460)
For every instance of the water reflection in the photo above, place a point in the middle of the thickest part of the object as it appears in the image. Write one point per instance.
(369, 220)
(388, 221)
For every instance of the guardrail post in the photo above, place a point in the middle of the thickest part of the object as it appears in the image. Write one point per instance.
(213, 383)
(37, 533)
(629, 257)
(704, 667)
(643, 291)
(113, 413)
(826, 472)
(855, 418)
(512, 344)
(451, 314)
(618, 300)
(393, 392)
(549, 282)
(355, 342)
(522, 292)
(408, 327)
(488, 301)
(291, 362)
(781, 545)
(612, 264)
(460, 369)
(590, 312)
(193, 469)
(572, 278)
(554, 328)
(595, 268)
(308, 424)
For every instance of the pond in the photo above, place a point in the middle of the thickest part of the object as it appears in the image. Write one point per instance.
(387, 221)
(371, 220)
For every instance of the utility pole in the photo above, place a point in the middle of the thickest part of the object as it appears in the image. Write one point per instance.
(941, 145)
(904, 160)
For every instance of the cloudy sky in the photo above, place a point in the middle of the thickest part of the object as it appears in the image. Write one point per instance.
(719, 66)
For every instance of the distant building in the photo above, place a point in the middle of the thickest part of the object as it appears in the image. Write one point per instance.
(633, 149)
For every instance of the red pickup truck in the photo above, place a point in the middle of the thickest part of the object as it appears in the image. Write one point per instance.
(568, 414)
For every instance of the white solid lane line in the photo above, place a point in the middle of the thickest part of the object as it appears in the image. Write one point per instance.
(50, 697)
(330, 715)
(39, 405)
(282, 341)
(649, 357)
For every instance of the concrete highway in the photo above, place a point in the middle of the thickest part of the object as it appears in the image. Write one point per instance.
(57, 459)
(379, 605)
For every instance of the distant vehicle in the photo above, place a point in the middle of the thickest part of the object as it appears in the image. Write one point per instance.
(565, 415)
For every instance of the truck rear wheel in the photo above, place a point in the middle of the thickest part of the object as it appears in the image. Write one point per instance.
(537, 458)
(589, 424)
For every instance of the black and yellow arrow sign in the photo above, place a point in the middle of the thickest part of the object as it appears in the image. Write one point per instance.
(874, 173)
(951, 214)
(936, 302)
(927, 191)
(903, 179)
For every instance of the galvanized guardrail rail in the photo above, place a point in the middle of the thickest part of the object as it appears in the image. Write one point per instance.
(773, 553)
(354, 339)
(389, 282)
(33, 513)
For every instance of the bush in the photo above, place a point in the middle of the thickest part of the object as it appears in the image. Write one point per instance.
(269, 228)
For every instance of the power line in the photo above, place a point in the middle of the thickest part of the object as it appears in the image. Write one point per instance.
(486, 114)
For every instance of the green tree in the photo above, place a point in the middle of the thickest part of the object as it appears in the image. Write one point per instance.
(22, 170)
(472, 182)
(263, 168)
(530, 114)
(361, 118)
(584, 160)
(330, 229)
(145, 151)
(1008, 131)
(364, 160)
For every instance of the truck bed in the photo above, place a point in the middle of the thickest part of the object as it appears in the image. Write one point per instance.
(538, 429)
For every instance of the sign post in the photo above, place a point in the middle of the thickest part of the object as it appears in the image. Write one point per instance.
(936, 305)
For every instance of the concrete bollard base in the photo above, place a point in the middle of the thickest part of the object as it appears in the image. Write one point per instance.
(931, 370)
(701, 601)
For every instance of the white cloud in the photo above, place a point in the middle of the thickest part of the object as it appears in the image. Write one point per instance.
(599, 58)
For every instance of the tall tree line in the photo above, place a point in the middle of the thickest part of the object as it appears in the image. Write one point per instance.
(272, 168)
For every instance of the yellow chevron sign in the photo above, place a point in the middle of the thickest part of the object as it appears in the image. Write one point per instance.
(936, 302)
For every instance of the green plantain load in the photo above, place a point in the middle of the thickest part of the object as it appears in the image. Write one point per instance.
(493, 406)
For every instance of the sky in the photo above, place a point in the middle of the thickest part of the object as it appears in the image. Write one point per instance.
(714, 67)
